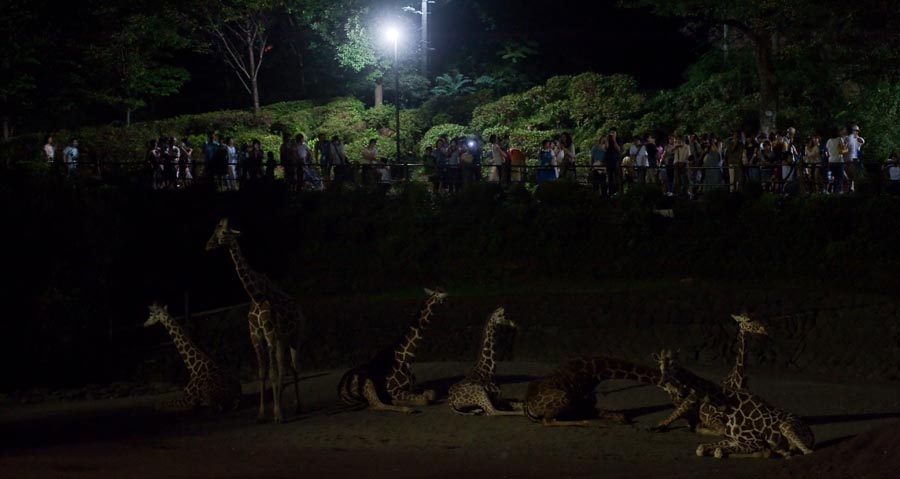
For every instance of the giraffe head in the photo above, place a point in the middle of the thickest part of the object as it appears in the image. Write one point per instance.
(749, 325)
(498, 318)
(157, 314)
(222, 235)
(437, 295)
(667, 364)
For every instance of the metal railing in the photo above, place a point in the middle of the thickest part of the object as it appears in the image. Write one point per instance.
(687, 180)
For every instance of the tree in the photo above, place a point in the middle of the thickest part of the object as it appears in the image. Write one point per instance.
(237, 30)
(838, 42)
(21, 36)
(129, 65)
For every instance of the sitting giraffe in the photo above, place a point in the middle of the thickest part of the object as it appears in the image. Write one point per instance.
(566, 396)
(385, 382)
(736, 378)
(210, 386)
(751, 426)
(276, 321)
(704, 424)
(478, 393)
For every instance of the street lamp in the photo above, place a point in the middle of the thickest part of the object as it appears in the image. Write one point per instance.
(394, 35)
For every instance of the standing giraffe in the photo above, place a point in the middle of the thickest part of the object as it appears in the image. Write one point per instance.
(210, 386)
(566, 396)
(276, 321)
(384, 383)
(478, 393)
(736, 378)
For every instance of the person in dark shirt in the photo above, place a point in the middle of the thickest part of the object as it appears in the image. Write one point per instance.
(613, 161)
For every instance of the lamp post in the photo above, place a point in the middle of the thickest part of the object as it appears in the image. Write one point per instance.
(394, 35)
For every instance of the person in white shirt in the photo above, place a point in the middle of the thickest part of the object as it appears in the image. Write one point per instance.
(854, 145)
(231, 172)
(835, 146)
(49, 150)
(498, 156)
(641, 163)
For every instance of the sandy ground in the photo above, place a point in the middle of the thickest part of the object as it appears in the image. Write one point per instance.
(127, 438)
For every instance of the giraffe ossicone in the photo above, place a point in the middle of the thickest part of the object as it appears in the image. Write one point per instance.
(477, 393)
(385, 382)
(210, 385)
(751, 426)
(275, 319)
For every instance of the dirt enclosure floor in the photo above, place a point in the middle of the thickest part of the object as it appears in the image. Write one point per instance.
(855, 424)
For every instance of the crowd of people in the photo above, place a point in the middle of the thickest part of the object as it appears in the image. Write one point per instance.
(679, 165)
(781, 162)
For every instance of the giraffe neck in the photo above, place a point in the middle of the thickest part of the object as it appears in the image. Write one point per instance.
(193, 357)
(406, 350)
(606, 368)
(486, 364)
(253, 282)
(737, 372)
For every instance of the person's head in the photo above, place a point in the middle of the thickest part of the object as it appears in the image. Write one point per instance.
(372, 143)
(737, 135)
(894, 155)
(429, 150)
(843, 131)
(256, 144)
(286, 138)
(322, 136)
(74, 142)
(612, 133)
(854, 129)
(153, 143)
(636, 140)
(270, 155)
(335, 139)
(453, 143)
(210, 136)
(493, 139)
(651, 138)
(439, 143)
(49, 140)
(545, 145)
(229, 141)
(767, 145)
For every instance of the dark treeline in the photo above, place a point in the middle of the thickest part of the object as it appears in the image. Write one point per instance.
(84, 262)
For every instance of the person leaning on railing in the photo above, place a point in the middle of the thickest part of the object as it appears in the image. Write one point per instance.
(892, 168)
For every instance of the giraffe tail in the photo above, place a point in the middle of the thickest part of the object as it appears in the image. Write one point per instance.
(350, 389)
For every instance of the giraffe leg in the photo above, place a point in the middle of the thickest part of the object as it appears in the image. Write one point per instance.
(411, 399)
(295, 368)
(262, 371)
(484, 402)
(804, 444)
(734, 447)
(276, 371)
(558, 423)
(375, 403)
(679, 412)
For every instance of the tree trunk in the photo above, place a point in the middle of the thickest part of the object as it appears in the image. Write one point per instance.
(255, 87)
(379, 92)
(5, 121)
(128, 117)
(768, 84)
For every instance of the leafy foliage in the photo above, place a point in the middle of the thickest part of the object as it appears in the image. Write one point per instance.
(452, 84)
